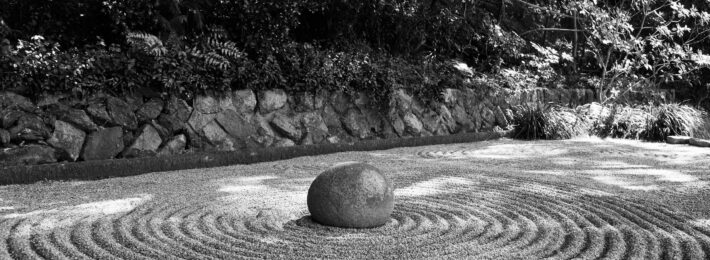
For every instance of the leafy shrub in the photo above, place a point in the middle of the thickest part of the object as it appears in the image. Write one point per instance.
(547, 122)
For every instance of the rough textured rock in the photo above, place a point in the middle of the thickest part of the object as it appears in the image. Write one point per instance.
(121, 113)
(244, 100)
(401, 100)
(451, 96)
(699, 142)
(351, 195)
(284, 126)
(178, 108)
(4, 137)
(330, 117)
(489, 118)
(175, 115)
(272, 100)
(430, 121)
(462, 118)
(316, 129)
(9, 117)
(304, 101)
(340, 102)
(30, 128)
(146, 143)
(412, 124)
(174, 145)
(212, 104)
(67, 139)
(214, 133)
(235, 124)
(74, 116)
(500, 117)
(352, 124)
(397, 124)
(97, 110)
(447, 120)
(150, 110)
(678, 139)
(9, 100)
(27, 155)
(198, 120)
(103, 144)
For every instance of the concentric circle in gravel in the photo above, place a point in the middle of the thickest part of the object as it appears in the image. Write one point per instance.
(445, 217)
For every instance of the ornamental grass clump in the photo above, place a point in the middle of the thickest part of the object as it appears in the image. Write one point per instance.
(624, 122)
(675, 119)
(547, 122)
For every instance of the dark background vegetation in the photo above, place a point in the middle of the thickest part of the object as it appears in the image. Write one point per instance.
(192, 46)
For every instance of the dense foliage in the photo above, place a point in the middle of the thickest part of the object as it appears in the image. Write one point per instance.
(192, 46)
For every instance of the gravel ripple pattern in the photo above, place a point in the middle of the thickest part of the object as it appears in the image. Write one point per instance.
(442, 211)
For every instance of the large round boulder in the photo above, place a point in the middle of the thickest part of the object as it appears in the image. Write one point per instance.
(351, 195)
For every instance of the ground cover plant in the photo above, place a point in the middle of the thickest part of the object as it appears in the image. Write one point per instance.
(504, 199)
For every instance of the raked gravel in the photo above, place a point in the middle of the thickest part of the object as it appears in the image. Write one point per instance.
(503, 199)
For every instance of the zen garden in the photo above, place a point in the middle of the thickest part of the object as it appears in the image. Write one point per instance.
(385, 129)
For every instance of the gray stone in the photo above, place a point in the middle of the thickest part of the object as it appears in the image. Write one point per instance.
(262, 141)
(79, 118)
(362, 101)
(103, 144)
(244, 100)
(9, 117)
(235, 124)
(4, 137)
(9, 100)
(397, 124)
(214, 133)
(320, 99)
(67, 139)
(173, 146)
(212, 103)
(50, 99)
(412, 124)
(316, 129)
(699, 142)
(330, 117)
(178, 108)
(304, 101)
(430, 121)
(351, 195)
(447, 119)
(272, 100)
(27, 155)
(147, 142)
(98, 111)
(171, 123)
(340, 102)
(162, 131)
(150, 110)
(30, 128)
(451, 96)
(199, 120)
(401, 101)
(678, 139)
(351, 123)
(284, 126)
(500, 117)
(489, 118)
(262, 126)
(462, 118)
(121, 113)
(284, 143)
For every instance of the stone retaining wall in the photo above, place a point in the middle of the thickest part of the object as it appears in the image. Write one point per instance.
(57, 128)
